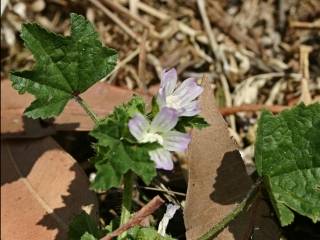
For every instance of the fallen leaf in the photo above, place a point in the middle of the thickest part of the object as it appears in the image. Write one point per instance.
(42, 189)
(102, 98)
(13, 123)
(218, 180)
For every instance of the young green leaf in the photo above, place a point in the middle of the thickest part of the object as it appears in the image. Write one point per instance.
(146, 233)
(288, 157)
(65, 66)
(88, 236)
(191, 122)
(117, 151)
(83, 226)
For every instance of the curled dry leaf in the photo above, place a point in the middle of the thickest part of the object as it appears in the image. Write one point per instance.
(218, 180)
(42, 189)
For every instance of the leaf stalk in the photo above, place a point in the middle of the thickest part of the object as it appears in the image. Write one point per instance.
(87, 109)
(216, 229)
(126, 200)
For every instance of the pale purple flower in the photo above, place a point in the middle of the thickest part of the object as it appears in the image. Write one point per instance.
(160, 131)
(182, 97)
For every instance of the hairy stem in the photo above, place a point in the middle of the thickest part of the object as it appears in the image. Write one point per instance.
(213, 232)
(126, 200)
(86, 107)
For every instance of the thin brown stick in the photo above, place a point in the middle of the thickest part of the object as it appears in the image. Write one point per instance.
(145, 211)
(305, 25)
(142, 62)
(225, 111)
(117, 20)
(122, 10)
(206, 23)
(304, 69)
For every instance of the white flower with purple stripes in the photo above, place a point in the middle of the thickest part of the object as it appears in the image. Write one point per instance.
(182, 97)
(160, 130)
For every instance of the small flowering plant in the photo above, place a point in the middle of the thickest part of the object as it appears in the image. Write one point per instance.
(133, 141)
(130, 141)
(144, 141)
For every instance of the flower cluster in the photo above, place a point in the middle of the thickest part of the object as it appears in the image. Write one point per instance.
(174, 102)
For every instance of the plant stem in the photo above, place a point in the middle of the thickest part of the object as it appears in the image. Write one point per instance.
(229, 218)
(126, 200)
(86, 107)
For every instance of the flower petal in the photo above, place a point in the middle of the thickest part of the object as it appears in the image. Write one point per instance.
(165, 120)
(188, 90)
(168, 82)
(161, 99)
(190, 109)
(162, 158)
(138, 126)
(176, 141)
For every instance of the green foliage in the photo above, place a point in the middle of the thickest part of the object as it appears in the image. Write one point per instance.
(146, 233)
(82, 227)
(288, 158)
(65, 66)
(117, 151)
(154, 107)
(88, 236)
(191, 122)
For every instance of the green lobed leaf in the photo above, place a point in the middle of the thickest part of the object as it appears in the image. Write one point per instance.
(146, 233)
(65, 66)
(288, 158)
(117, 151)
(191, 122)
(83, 226)
(88, 236)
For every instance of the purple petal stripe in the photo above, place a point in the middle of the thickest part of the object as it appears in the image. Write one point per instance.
(168, 81)
(162, 158)
(165, 120)
(138, 126)
(176, 141)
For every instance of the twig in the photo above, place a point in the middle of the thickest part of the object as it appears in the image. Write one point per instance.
(154, 12)
(153, 60)
(121, 9)
(226, 24)
(122, 63)
(229, 218)
(133, 6)
(304, 69)
(117, 20)
(225, 111)
(206, 23)
(142, 62)
(163, 190)
(145, 211)
(305, 25)
(281, 15)
(181, 26)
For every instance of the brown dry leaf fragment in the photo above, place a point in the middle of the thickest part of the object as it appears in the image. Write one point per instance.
(13, 123)
(217, 179)
(42, 189)
(102, 98)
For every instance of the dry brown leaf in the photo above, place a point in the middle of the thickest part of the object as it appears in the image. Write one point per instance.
(101, 97)
(13, 123)
(217, 180)
(42, 189)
